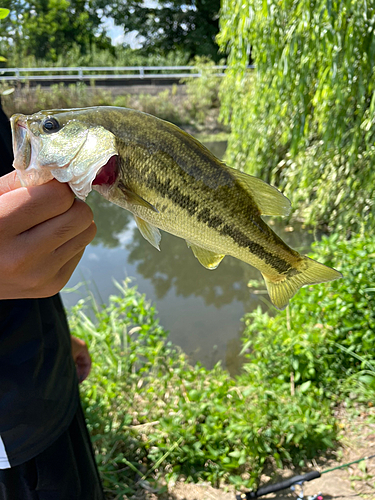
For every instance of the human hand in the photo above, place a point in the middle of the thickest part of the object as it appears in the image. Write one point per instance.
(81, 357)
(43, 233)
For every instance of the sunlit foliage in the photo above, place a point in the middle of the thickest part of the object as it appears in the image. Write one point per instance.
(154, 417)
(48, 28)
(305, 119)
(189, 26)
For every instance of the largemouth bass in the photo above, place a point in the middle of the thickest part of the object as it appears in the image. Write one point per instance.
(168, 180)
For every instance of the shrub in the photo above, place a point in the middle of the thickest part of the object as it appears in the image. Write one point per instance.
(306, 123)
(328, 333)
(203, 92)
(153, 415)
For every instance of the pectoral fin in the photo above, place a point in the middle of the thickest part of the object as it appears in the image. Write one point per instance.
(149, 232)
(135, 199)
(270, 200)
(208, 259)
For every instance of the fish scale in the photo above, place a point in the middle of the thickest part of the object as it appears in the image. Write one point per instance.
(169, 181)
(140, 178)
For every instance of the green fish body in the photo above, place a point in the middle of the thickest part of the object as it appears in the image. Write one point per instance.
(169, 181)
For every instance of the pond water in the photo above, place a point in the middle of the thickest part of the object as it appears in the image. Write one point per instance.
(202, 309)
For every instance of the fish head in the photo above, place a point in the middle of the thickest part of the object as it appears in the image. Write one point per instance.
(63, 144)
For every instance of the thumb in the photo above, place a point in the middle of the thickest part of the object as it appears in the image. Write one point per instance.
(9, 182)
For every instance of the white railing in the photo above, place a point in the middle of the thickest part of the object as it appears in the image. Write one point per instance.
(112, 73)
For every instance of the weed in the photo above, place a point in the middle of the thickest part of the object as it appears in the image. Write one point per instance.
(203, 92)
(154, 416)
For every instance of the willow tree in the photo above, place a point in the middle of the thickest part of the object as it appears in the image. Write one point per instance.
(304, 119)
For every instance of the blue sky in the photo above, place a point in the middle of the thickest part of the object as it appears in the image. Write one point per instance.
(117, 34)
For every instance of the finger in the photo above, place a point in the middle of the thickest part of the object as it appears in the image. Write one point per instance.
(83, 372)
(24, 208)
(9, 182)
(74, 246)
(61, 278)
(53, 233)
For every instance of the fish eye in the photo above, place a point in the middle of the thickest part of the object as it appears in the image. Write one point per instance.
(50, 124)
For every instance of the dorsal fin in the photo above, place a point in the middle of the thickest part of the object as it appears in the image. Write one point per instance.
(270, 200)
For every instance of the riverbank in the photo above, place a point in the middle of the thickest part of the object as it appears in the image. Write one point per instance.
(306, 383)
(357, 482)
(357, 440)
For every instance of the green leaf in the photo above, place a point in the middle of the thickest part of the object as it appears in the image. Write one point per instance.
(235, 454)
(367, 379)
(305, 386)
(4, 13)
(362, 466)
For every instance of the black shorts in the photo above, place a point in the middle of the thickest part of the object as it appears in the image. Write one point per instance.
(64, 471)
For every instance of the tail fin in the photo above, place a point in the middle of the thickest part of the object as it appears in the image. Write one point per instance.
(313, 272)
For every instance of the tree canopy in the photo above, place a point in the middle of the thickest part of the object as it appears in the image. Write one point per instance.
(305, 119)
(186, 25)
(47, 28)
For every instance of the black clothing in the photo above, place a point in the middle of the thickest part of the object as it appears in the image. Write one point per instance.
(38, 380)
(6, 155)
(46, 478)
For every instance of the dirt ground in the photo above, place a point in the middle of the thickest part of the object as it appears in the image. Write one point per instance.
(356, 482)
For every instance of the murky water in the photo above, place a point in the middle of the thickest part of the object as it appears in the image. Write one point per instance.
(202, 309)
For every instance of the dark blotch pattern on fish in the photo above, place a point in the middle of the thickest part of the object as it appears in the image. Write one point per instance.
(243, 207)
(243, 241)
(185, 201)
(213, 221)
(199, 167)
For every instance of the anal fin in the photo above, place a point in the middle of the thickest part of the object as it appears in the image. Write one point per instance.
(208, 259)
(149, 232)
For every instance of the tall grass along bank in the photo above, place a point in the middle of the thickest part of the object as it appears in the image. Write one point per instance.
(154, 417)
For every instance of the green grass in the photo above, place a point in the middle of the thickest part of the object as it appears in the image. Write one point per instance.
(155, 417)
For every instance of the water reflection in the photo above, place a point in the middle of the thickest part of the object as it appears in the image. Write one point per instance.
(176, 267)
(110, 220)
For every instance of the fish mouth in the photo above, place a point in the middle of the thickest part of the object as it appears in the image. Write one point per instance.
(21, 142)
(25, 150)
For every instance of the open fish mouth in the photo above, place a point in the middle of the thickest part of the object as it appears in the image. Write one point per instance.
(85, 157)
(25, 149)
(21, 143)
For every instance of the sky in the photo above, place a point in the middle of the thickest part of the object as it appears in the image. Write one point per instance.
(116, 33)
